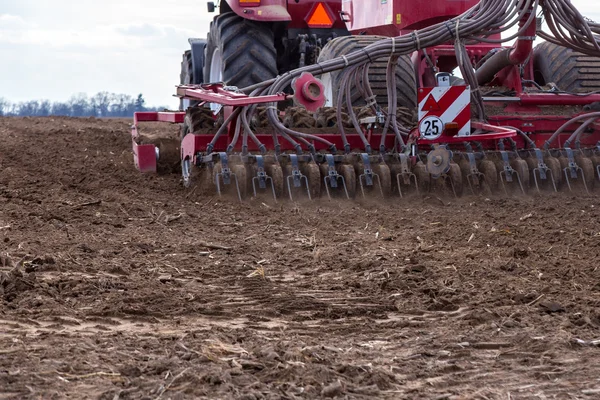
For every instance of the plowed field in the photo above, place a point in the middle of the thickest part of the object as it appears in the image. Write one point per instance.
(117, 285)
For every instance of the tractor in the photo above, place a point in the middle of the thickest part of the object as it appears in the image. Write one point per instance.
(388, 98)
(252, 41)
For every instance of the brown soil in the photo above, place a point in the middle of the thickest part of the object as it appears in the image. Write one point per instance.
(113, 286)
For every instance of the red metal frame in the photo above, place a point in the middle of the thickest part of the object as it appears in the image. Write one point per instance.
(294, 12)
(215, 93)
(394, 18)
(144, 155)
(268, 10)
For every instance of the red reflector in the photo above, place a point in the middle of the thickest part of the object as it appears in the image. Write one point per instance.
(249, 3)
(320, 17)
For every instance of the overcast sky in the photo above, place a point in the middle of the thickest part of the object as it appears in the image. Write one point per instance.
(52, 49)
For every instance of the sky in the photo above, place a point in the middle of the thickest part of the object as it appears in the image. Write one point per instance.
(53, 49)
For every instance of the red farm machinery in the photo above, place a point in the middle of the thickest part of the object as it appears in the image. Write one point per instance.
(386, 98)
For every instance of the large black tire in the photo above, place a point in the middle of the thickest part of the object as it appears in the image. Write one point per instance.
(569, 70)
(406, 82)
(246, 48)
(186, 77)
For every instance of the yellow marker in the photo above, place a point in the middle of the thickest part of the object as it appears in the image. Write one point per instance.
(398, 19)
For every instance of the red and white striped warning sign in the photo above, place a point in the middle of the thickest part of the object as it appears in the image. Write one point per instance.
(441, 105)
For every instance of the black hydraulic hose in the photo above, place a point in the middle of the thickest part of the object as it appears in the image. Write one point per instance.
(223, 129)
(492, 66)
(566, 124)
(354, 120)
(577, 133)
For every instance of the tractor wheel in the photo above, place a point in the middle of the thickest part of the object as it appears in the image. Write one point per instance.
(569, 70)
(406, 82)
(185, 78)
(239, 52)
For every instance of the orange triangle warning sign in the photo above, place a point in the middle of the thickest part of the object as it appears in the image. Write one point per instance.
(430, 104)
(320, 17)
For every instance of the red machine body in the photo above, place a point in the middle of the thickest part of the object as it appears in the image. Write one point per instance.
(296, 13)
(395, 18)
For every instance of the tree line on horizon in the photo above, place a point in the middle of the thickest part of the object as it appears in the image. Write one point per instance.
(103, 104)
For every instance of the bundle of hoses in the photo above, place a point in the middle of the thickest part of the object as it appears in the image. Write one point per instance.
(488, 18)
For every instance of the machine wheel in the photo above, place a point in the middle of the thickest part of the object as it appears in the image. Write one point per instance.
(385, 178)
(311, 170)
(239, 52)
(566, 68)
(242, 178)
(596, 162)
(455, 174)
(554, 166)
(276, 173)
(347, 171)
(406, 82)
(587, 166)
(522, 169)
(423, 177)
(490, 174)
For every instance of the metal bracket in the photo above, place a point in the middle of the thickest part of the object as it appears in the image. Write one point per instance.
(368, 175)
(332, 176)
(297, 177)
(507, 169)
(508, 173)
(262, 178)
(542, 170)
(226, 175)
(572, 167)
(541, 165)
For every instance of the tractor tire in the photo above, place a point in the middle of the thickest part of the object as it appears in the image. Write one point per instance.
(406, 82)
(186, 78)
(571, 71)
(239, 52)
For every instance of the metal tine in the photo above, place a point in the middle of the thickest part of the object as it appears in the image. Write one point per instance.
(404, 175)
(576, 169)
(471, 179)
(362, 189)
(302, 178)
(449, 178)
(547, 171)
(513, 172)
(267, 178)
(231, 174)
(368, 175)
(598, 170)
(335, 177)
(262, 178)
(226, 174)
